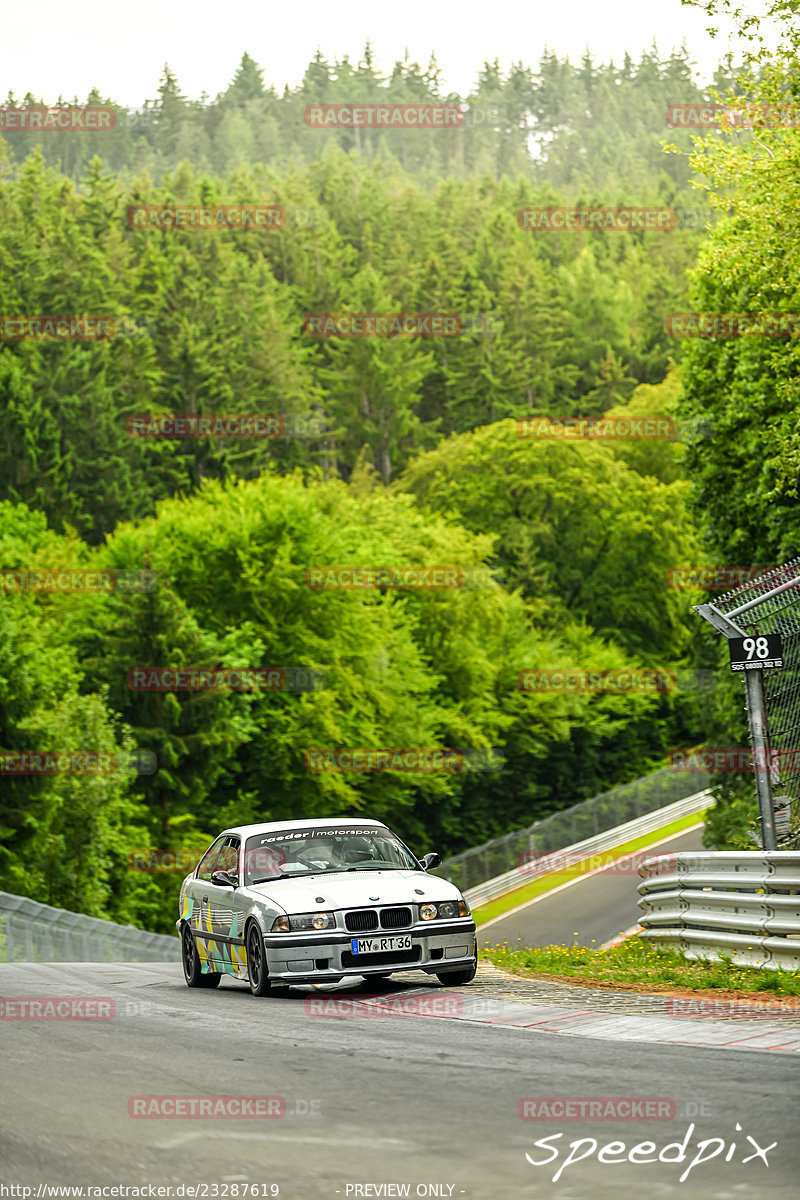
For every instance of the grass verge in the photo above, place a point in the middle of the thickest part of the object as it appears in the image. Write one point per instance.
(637, 966)
(553, 879)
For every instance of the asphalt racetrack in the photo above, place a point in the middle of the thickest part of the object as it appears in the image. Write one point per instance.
(593, 908)
(372, 1104)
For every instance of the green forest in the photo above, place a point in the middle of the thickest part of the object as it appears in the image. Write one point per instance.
(397, 452)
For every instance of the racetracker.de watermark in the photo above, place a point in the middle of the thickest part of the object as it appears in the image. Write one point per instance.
(404, 758)
(72, 328)
(368, 1008)
(57, 1008)
(733, 324)
(180, 862)
(635, 429)
(241, 679)
(382, 325)
(76, 762)
(596, 1108)
(38, 118)
(735, 759)
(769, 1007)
(743, 115)
(194, 425)
(366, 578)
(204, 1108)
(618, 220)
(92, 582)
(574, 679)
(722, 577)
(575, 864)
(206, 217)
(383, 116)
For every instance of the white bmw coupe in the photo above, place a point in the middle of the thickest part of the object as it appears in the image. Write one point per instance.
(313, 901)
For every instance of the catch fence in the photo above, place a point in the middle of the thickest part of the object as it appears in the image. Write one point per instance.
(572, 825)
(769, 605)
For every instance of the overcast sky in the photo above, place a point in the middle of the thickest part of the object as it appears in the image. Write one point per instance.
(120, 46)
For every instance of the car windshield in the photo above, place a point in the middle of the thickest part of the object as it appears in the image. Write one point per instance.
(322, 850)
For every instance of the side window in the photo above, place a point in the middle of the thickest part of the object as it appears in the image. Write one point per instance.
(208, 861)
(228, 859)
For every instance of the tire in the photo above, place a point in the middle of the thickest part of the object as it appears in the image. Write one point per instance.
(256, 962)
(457, 978)
(192, 970)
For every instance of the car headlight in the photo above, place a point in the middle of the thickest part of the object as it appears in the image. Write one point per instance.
(317, 920)
(443, 910)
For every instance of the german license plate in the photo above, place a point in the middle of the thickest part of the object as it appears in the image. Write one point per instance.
(380, 945)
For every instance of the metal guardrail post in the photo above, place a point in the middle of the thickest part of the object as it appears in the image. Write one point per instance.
(759, 733)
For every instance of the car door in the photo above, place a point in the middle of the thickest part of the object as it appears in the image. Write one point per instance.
(227, 917)
(203, 894)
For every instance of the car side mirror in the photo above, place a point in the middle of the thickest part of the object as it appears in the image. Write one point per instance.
(429, 861)
(223, 879)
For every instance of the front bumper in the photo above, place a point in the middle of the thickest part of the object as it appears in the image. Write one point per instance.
(304, 957)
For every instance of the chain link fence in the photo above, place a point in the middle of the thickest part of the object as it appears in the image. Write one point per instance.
(33, 932)
(571, 825)
(766, 605)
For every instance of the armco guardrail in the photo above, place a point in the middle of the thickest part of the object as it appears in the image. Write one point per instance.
(586, 819)
(647, 823)
(33, 932)
(745, 904)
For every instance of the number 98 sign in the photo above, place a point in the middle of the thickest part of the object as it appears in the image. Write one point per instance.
(762, 652)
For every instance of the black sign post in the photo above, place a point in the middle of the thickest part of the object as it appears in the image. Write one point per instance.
(761, 652)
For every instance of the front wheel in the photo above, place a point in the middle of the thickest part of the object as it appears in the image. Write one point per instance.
(192, 971)
(459, 977)
(257, 962)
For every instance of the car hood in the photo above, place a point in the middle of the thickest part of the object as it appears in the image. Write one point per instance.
(354, 889)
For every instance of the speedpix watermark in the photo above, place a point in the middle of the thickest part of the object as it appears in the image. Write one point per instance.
(619, 220)
(206, 217)
(243, 679)
(383, 116)
(38, 118)
(732, 325)
(59, 580)
(221, 1107)
(615, 1153)
(76, 762)
(598, 428)
(392, 324)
